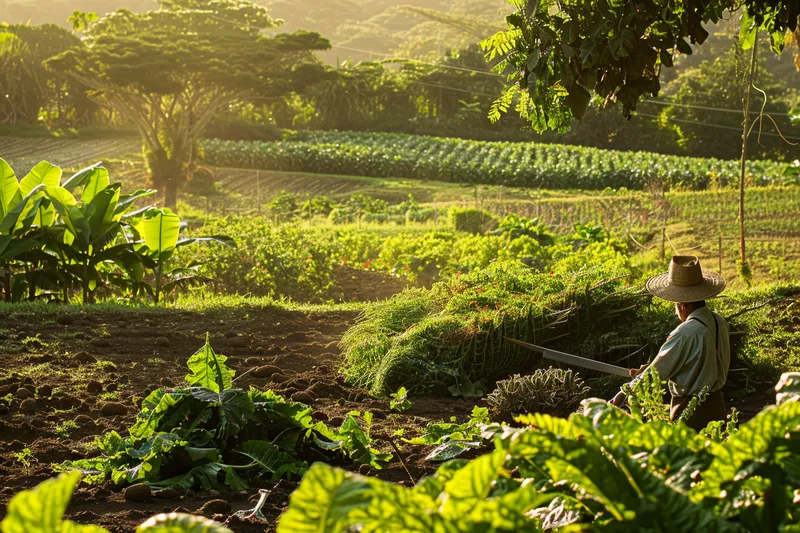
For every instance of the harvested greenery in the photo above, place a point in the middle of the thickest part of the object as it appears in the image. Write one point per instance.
(552, 391)
(210, 434)
(454, 335)
(453, 438)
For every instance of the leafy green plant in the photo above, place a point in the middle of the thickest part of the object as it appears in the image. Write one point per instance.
(598, 470)
(41, 510)
(453, 438)
(553, 391)
(160, 231)
(399, 400)
(24, 458)
(471, 220)
(210, 434)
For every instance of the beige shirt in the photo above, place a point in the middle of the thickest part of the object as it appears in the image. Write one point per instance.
(690, 358)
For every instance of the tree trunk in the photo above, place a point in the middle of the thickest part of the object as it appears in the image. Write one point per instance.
(753, 62)
(171, 194)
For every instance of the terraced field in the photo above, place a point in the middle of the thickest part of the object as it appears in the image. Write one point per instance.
(23, 153)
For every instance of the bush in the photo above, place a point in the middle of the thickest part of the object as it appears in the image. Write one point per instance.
(551, 391)
(471, 220)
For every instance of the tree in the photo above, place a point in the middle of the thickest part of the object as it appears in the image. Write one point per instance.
(560, 55)
(170, 72)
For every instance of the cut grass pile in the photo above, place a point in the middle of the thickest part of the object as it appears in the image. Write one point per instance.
(453, 336)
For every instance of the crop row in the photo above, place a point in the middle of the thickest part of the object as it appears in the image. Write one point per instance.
(501, 163)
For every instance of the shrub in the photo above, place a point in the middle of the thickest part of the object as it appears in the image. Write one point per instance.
(471, 220)
(552, 391)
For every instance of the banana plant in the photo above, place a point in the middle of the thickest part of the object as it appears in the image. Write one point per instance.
(160, 230)
(23, 206)
(94, 228)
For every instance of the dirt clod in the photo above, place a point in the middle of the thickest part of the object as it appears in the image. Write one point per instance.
(364, 469)
(23, 393)
(213, 507)
(139, 492)
(28, 406)
(111, 387)
(319, 415)
(113, 409)
(379, 414)
(303, 397)
(162, 341)
(99, 342)
(266, 371)
(166, 494)
(84, 420)
(65, 320)
(85, 357)
(238, 342)
(94, 387)
(45, 391)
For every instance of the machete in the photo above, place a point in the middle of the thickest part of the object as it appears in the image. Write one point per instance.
(570, 359)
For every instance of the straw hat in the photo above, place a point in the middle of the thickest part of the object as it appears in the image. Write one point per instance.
(686, 281)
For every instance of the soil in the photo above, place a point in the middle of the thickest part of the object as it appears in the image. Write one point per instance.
(86, 368)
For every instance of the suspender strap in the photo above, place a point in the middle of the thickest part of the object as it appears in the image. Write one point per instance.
(716, 327)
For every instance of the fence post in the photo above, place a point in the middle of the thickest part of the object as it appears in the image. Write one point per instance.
(663, 242)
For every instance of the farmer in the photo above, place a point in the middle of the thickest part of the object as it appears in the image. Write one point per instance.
(697, 353)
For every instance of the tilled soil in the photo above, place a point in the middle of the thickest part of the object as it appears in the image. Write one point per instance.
(69, 377)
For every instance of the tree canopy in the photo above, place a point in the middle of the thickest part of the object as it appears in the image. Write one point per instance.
(559, 55)
(172, 70)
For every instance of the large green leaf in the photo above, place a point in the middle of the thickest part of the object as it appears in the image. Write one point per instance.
(43, 173)
(181, 523)
(12, 217)
(96, 180)
(104, 203)
(272, 459)
(160, 229)
(235, 407)
(472, 483)
(155, 408)
(41, 510)
(208, 369)
(80, 177)
(323, 501)
(8, 188)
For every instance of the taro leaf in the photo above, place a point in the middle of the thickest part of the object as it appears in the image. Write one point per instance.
(41, 510)
(199, 454)
(272, 459)
(235, 408)
(324, 500)
(577, 100)
(204, 476)
(451, 449)
(209, 370)
(181, 523)
(233, 480)
(155, 408)
(357, 443)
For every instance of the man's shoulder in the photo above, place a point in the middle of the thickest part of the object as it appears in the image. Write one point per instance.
(689, 328)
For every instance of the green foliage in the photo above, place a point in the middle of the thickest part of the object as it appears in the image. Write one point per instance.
(516, 226)
(560, 56)
(552, 391)
(453, 438)
(399, 400)
(598, 470)
(471, 220)
(41, 509)
(455, 333)
(212, 435)
(521, 164)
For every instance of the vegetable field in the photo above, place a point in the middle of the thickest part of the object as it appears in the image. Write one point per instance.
(23, 153)
(452, 160)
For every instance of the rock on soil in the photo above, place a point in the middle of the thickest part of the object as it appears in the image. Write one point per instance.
(238, 342)
(162, 341)
(94, 387)
(302, 397)
(23, 393)
(85, 357)
(28, 406)
(138, 493)
(213, 507)
(113, 409)
(83, 420)
(266, 371)
(99, 342)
